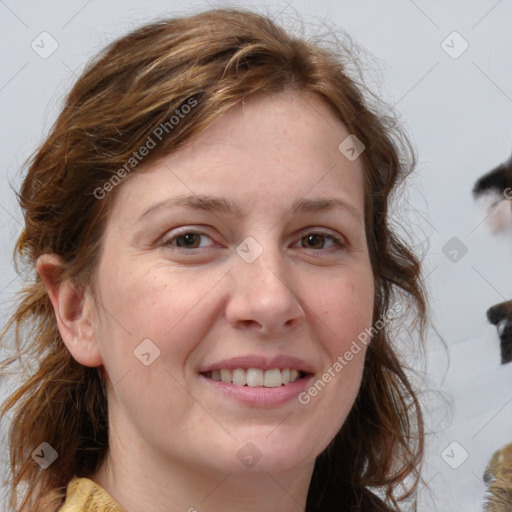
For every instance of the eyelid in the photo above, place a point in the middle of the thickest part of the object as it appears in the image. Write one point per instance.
(166, 240)
(337, 239)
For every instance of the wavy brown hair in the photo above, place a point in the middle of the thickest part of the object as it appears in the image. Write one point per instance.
(215, 58)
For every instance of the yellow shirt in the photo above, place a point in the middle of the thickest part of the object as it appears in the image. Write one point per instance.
(84, 495)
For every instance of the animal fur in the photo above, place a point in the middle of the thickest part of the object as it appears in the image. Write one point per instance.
(495, 190)
(497, 185)
(498, 477)
(500, 315)
(496, 181)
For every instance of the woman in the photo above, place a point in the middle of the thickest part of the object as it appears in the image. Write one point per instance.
(216, 280)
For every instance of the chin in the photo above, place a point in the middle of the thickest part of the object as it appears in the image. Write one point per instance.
(268, 452)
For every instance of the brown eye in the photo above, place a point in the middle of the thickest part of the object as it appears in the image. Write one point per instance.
(314, 241)
(317, 241)
(190, 240)
(187, 240)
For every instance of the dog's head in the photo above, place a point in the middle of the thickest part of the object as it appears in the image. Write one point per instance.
(495, 187)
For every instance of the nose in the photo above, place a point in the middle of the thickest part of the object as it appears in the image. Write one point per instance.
(261, 296)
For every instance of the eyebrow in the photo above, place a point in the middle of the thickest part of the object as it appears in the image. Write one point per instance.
(222, 205)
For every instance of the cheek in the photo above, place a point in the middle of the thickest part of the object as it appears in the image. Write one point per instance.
(347, 313)
(150, 324)
(347, 309)
(158, 305)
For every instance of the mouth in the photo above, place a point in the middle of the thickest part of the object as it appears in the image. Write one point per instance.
(258, 381)
(256, 377)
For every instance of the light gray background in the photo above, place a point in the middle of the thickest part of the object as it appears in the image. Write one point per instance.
(458, 113)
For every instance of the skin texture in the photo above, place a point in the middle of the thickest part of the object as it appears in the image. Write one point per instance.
(173, 438)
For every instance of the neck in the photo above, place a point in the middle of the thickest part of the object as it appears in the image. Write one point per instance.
(138, 481)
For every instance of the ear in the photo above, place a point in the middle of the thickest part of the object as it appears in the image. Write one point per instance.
(74, 311)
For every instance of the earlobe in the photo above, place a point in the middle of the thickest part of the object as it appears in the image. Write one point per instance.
(74, 311)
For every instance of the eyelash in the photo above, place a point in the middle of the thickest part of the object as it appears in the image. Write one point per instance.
(339, 243)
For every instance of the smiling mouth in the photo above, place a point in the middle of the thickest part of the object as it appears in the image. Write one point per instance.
(256, 377)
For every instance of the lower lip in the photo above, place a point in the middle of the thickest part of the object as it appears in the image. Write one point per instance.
(260, 395)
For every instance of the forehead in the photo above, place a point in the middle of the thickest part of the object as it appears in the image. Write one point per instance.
(273, 149)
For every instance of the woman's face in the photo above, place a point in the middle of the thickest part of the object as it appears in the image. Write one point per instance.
(230, 260)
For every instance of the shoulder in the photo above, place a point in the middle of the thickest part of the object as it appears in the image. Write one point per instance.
(84, 495)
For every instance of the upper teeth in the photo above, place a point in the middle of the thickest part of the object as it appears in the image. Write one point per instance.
(256, 377)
